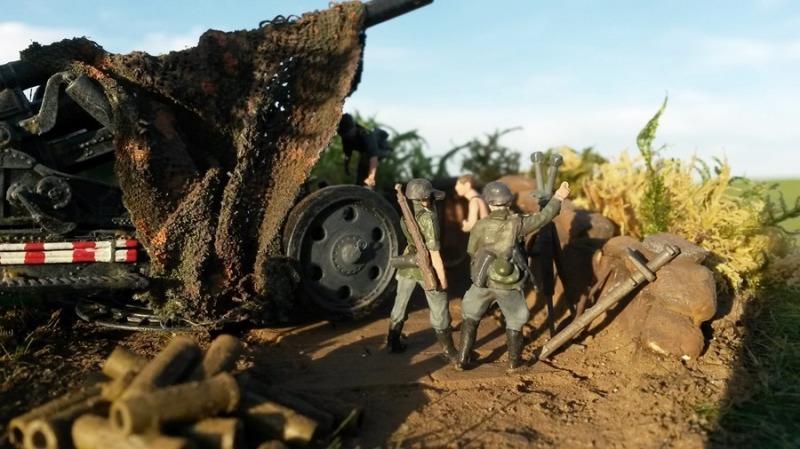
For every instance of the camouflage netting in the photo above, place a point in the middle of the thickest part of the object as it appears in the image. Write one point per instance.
(212, 146)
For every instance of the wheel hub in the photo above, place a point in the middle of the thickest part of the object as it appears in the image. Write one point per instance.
(347, 253)
(343, 238)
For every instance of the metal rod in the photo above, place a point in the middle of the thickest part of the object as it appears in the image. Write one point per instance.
(379, 11)
(536, 159)
(552, 172)
(612, 297)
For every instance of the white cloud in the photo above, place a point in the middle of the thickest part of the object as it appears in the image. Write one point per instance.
(761, 143)
(731, 52)
(161, 43)
(17, 36)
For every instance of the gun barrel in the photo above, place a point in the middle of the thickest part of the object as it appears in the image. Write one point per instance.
(379, 11)
(20, 74)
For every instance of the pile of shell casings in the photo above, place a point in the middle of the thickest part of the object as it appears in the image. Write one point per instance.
(182, 398)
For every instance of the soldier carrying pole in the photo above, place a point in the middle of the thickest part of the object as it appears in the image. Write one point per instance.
(421, 264)
(423, 258)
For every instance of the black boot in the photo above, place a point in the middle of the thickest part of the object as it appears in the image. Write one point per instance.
(445, 338)
(469, 329)
(515, 344)
(393, 339)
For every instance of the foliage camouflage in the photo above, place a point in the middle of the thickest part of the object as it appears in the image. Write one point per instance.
(212, 146)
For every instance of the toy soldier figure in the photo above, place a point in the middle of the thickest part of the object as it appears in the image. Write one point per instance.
(499, 270)
(426, 268)
(465, 186)
(371, 146)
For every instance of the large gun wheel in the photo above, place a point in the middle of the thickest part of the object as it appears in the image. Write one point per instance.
(342, 238)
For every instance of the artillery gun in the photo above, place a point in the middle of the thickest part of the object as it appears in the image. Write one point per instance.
(180, 177)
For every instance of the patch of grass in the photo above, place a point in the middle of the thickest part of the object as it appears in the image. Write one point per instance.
(707, 410)
(770, 416)
(788, 190)
(15, 352)
(20, 329)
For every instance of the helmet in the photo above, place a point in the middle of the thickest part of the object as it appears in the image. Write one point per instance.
(497, 194)
(421, 189)
(502, 267)
(504, 272)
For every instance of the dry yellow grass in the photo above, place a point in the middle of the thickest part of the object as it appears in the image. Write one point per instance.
(705, 208)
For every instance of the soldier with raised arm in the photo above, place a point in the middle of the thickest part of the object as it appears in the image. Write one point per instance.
(499, 269)
(421, 227)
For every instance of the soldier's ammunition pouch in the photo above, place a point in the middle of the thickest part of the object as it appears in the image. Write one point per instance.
(481, 266)
(404, 261)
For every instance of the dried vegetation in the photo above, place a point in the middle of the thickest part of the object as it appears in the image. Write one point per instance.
(734, 218)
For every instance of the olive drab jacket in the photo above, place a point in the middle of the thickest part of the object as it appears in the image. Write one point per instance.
(429, 228)
(500, 233)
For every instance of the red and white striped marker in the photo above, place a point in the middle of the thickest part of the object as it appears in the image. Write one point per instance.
(120, 250)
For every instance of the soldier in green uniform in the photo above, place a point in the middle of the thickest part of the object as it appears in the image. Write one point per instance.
(499, 270)
(422, 194)
(372, 145)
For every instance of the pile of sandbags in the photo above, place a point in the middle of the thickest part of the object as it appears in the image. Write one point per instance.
(180, 399)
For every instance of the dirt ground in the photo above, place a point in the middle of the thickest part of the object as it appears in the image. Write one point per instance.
(602, 391)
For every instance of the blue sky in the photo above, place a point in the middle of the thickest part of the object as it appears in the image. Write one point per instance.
(576, 72)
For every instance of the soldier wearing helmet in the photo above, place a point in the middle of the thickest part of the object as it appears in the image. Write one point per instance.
(422, 195)
(498, 271)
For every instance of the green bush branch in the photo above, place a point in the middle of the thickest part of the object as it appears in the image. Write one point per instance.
(656, 207)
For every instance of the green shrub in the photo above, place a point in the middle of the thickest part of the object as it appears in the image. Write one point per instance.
(733, 218)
